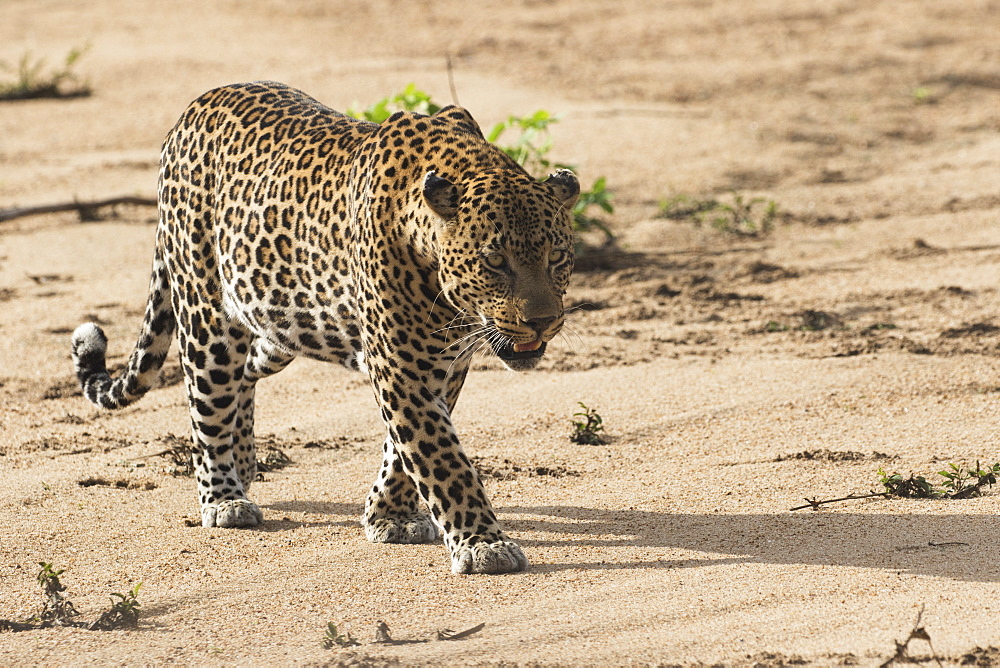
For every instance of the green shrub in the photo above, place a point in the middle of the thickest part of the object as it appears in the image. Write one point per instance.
(33, 80)
(752, 217)
(529, 148)
(587, 429)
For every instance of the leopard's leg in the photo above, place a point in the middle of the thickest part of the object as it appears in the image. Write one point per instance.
(500, 555)
(244, 445)
(213, 356)
(263, 360)
(426, 449)
(394, 512)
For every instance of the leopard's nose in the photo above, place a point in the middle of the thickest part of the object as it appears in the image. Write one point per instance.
(540, 325)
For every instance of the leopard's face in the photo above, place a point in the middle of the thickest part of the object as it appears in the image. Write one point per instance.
(505, 258)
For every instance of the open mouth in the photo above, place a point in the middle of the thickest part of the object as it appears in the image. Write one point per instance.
(519, 351)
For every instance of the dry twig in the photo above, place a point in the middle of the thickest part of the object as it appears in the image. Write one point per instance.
(383, 637)
(815, 503)
(448, 634)
(918, 633)
(86, 210)
(451, 80)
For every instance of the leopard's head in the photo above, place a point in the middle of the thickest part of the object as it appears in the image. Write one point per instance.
(505, 255)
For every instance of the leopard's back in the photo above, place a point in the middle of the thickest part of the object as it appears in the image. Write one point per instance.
(254, 208)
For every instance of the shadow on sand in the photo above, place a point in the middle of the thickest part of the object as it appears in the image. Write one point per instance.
(960, 547)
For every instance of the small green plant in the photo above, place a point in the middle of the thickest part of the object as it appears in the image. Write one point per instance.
(878, 327)
(682, 206)
(923, 95)
(333, 638)
(410, 98)
(533, 142)
(817, 321)
(57, 609)
(32, 80)
(598, 196)
(958, 482)
(753, 217)
(912, 487)
(587, 429)
(774, 326)
(124, 611)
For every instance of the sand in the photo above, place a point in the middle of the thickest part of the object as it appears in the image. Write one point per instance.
(861, 331)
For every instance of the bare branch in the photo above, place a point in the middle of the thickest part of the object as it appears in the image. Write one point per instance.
(448, 634)
(451, 80)
(815, 504)
(86, 210)
(918, 633)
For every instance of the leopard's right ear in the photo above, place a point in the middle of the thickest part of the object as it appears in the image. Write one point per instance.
(565, 186)
(441, 195)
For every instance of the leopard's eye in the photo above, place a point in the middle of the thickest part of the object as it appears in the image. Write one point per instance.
(557, 256)
(495, 261)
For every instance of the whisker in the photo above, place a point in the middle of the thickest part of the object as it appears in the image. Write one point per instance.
(484, 349)
(481, 342)
(583, 306)
(474, 333)
(497, 337)
(568, 329)
(466, 322)
(433, 304)
(567, 341)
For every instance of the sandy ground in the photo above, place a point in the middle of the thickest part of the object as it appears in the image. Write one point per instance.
(864, 324)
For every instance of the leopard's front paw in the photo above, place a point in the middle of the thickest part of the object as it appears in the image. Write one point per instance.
(502, 556)
(231, 514)
(416, 528)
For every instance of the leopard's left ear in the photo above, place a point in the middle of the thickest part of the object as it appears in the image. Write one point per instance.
(460, 118)
(441, 195)
(565, 187)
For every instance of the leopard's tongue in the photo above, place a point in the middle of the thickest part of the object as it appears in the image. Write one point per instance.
(527, 347)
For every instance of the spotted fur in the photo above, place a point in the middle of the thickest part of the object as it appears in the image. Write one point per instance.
(287, 229)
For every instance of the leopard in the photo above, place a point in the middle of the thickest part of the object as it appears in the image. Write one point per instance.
(398, 249)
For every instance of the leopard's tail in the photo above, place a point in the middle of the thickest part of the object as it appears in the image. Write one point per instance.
(140, 374)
